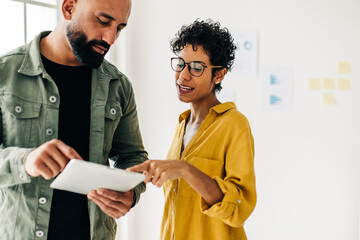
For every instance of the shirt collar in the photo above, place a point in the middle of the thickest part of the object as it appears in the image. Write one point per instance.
(218, 109)
(32, 64)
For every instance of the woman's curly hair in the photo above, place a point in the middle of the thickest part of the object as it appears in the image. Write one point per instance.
(216, 41)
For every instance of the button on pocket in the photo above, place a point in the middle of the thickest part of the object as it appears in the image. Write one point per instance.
(42, 200)
(39, 233)
(18, 109)
(22, 177)
(113, 111)
(52, 99)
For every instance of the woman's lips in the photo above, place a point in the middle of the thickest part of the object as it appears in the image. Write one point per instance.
(185, 89)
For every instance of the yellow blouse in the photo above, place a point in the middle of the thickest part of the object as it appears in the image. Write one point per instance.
(222, 148)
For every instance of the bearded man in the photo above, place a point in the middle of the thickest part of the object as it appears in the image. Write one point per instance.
(60, 100)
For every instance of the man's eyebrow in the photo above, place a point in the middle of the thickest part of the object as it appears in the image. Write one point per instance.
(111, 18)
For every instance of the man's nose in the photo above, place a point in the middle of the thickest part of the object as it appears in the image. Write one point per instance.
(110, 36)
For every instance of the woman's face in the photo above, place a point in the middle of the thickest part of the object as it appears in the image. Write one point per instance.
(191, 89)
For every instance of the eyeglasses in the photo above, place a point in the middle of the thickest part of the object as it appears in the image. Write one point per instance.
(196, 68)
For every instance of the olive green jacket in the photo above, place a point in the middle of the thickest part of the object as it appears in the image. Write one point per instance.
(29, 104)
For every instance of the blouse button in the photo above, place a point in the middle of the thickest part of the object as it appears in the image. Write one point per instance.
(238, 201)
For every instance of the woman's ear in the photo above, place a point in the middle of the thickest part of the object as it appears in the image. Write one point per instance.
(219, 75)
(67, 8)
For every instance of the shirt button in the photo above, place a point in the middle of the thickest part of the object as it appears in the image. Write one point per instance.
(239, 201)
(52, 99)
(39, 233)
(42, 200)
(174, 189)
(172, 212)
(22, 177)
(18, 109)
(113, 111)
(49, 132)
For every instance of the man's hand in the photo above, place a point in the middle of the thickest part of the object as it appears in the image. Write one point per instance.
(49, 159)
(115, 204)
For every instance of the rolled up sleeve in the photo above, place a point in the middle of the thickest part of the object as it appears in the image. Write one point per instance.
(238, 185)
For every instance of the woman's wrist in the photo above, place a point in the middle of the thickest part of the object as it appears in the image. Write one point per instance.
(185, 170)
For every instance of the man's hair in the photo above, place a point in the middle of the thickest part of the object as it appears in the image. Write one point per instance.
(215, 40)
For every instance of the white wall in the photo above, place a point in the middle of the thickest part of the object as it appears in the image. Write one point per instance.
(307, 160)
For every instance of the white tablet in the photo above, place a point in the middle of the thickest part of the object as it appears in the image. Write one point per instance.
(81, 176)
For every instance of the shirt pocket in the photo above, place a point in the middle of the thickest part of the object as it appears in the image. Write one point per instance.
(113, 110)
(19, 120)
(113, 114)
(210, 167)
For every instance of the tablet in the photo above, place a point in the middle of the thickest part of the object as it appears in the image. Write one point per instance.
(81, 176)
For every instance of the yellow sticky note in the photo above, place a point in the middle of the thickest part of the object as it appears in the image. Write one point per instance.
(314, 83)
(328, 99)
(344, 67)
(329, 84)
(344, 84)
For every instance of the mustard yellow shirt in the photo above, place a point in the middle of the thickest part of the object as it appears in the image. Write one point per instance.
(222, 148)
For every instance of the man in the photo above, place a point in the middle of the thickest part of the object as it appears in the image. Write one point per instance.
(59, 100)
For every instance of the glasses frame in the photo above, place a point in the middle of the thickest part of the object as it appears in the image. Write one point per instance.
(189, 67)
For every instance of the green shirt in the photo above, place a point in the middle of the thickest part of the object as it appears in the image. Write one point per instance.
(29, 104)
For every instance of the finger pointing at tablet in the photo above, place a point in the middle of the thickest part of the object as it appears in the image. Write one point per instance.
(49, 159)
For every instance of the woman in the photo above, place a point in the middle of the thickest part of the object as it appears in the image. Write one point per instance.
(208, 179)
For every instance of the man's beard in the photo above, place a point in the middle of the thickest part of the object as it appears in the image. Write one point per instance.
(83, 50)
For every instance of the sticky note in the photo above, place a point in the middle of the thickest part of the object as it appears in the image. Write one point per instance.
(344, 84)
(328, 84)
(344, 67)
(328, 99)
(314, 83)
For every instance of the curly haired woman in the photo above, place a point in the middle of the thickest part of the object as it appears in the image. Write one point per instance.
(208, 179)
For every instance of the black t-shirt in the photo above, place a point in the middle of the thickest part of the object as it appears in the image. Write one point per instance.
(69, 218)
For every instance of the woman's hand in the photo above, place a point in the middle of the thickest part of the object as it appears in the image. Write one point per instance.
(158, 171)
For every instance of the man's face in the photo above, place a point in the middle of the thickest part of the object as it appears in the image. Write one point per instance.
(84, 49)
(94, 27)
